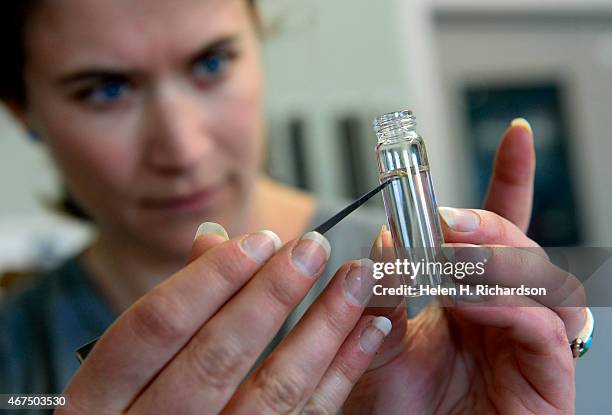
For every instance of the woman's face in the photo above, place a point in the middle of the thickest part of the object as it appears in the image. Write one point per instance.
(152, 110)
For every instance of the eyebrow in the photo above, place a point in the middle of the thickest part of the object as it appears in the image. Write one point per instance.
(102, 72)
(212, 47)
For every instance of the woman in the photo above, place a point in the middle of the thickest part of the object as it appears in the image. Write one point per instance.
(152, 112)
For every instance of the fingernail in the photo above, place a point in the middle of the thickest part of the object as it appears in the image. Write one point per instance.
(358, 282)
(373, 335)
(261, 245)
(522, 122)
(211, 228)
(460, 220)
(311, 253)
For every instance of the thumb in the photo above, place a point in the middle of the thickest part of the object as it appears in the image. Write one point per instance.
(510, 192)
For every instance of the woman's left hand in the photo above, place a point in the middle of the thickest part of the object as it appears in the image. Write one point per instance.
(489, 357)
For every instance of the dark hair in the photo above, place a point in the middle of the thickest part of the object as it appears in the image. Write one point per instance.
(13, 18)
(12, 22)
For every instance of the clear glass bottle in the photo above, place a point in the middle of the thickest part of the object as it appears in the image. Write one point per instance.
(410, 202)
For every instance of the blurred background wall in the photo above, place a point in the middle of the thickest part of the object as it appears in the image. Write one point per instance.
(466, 67)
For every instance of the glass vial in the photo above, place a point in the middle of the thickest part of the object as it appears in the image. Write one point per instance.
(409, 200)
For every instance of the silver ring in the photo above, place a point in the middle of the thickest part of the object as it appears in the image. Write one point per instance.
(581, 344)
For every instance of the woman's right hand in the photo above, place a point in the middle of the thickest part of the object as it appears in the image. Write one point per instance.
(187, 346)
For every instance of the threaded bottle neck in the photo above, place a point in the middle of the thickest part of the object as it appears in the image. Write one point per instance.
(394, 125)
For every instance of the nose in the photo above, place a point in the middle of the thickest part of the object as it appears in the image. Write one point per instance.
(177, 131)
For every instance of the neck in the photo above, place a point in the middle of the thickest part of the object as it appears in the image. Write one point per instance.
(125, 269)
(281, 209)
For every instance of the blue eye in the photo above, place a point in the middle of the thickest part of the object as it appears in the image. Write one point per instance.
(108, 92)
(212, 66)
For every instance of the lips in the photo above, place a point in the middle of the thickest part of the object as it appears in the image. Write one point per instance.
(195, 201)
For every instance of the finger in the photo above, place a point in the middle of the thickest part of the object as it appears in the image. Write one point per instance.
(391, 307)
(542, 346)
(515, 268)
(286, 380)
(481, 227)
(207, 372)
(144, 338)
(382, 252)
(209, 234)
(382, 246)
(349, 364)
(510, 192)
